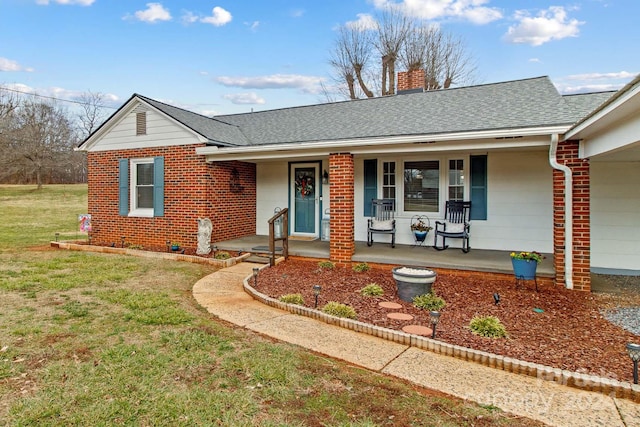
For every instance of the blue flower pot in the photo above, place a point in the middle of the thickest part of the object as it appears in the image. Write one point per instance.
(524, 269)
(420, 235)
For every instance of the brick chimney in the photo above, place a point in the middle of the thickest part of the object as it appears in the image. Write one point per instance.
(410, 80)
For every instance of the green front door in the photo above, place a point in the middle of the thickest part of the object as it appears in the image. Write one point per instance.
(305, 199)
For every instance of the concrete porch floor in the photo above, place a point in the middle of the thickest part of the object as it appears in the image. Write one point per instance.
(382, 253)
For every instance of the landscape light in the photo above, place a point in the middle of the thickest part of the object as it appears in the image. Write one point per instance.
(316, 293)
(634, 354)
(434, 318)
(122, 238)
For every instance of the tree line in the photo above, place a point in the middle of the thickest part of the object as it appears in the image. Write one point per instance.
(38, 137)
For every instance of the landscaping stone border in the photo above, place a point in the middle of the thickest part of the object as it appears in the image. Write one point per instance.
(607, 386)
(222, 263)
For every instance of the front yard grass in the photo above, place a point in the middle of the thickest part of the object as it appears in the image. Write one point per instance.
(98, 339)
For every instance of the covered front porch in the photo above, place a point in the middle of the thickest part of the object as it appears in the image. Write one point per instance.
(480, 260)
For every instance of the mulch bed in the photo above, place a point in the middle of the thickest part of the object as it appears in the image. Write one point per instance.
(571, 333)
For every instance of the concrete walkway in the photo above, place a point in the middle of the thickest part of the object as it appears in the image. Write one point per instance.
(222, 294)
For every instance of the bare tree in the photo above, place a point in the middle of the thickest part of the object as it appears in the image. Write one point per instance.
(400, 40)
(393, 30)
(92, 114)
(38, 140)
(350, 57)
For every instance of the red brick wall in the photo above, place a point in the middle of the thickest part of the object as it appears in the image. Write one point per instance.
(341, 196)
(568, 155)
(193, 189)
(411, 79)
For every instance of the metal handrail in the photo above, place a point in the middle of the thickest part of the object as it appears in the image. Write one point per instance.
(284, 214)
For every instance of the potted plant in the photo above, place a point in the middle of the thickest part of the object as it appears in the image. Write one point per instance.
(420, 228)
(525, 264)
(175, 246)
(413, 281)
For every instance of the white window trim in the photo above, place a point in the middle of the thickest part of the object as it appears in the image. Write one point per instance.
(443, 185)
(134, 211)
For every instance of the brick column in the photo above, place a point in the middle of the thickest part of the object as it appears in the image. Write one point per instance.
(567, 154)
(341, 197)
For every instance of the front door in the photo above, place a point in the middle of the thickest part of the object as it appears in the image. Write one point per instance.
(305, 204)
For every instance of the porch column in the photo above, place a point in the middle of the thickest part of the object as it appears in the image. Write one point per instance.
(341, 198)
(567, 154)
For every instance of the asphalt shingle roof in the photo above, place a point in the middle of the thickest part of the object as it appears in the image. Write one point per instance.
(528, 103)
(584, 103)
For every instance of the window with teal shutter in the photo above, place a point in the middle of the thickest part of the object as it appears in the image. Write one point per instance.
(370, 184)
(478, 187)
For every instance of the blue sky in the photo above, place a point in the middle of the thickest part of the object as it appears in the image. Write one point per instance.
(220, 57)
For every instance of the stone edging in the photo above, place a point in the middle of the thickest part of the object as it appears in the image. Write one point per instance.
(222, 263)
(610, 387)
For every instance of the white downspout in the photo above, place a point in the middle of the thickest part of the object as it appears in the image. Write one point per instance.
(568, 211)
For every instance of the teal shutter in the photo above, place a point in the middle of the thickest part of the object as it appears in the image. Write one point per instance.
(123, 187)
(158, 186)
(370, 184)
(478, 187)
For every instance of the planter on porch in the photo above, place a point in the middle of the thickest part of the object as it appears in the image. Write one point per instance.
(524, 269)
(413, 281)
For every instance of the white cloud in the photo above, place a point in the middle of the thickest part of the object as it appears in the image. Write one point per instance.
(153, 13)
(469, 10)
(297, 13)
(548, 25)
(66, 2)
(308, 84)
(536, 60)
(218, 18)
(189, 18)
(251, 98)
(593, 82)
(10, 65)
(364, 22)
(253, 26)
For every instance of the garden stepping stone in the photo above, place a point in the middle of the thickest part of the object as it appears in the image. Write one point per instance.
(418, 330)
(400, 316)
(389, 304)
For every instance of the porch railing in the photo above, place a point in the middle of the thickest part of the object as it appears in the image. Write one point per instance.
(280, 219)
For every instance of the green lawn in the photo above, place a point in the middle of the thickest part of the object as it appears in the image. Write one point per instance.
(97, 339)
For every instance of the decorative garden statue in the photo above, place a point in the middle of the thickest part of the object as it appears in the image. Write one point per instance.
(204, 236)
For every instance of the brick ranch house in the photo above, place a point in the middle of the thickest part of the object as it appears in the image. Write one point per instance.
(516, 149)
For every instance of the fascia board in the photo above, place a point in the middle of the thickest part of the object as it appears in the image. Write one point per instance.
(381, 145)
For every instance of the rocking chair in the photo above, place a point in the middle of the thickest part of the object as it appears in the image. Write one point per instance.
(455, 225)
(382, 220)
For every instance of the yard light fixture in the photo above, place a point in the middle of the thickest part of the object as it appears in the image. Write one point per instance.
(57, 236)
(316, 293)
(634, 354)
(496, 298)
(168, 245)
(434, 318)
(256, 270)
(215, 249)
(89, 239)
(122, 240)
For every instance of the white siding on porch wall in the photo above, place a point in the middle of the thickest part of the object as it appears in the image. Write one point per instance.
(519, 211)
(161, 132)
(615, 216)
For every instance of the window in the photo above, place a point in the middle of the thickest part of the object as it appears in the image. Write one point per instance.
(456, 179)
(141, 123)
(141, 187)
(422, 186)
(389, 180)
(142, 183)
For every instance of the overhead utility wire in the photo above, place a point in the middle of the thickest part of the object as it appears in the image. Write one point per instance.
(52, 97)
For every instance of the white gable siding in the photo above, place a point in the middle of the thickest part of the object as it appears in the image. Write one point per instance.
(161, 132)
(615, 216)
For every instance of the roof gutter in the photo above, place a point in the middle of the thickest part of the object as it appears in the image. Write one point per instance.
(568, 211)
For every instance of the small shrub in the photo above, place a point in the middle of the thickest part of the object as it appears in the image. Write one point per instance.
(292, 299)
(339, 310)
(488, 326)
(429, 301)
(328, 265)
(372, 290)
(133, 246)
(222, 255)
(361, 267)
